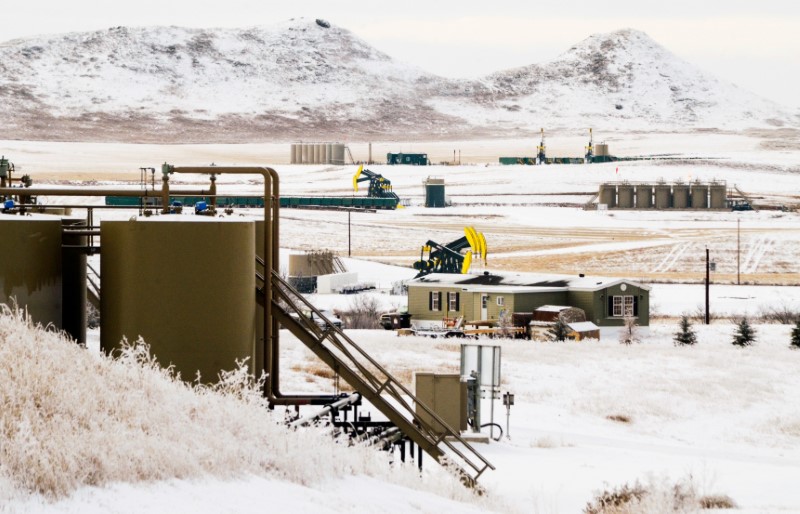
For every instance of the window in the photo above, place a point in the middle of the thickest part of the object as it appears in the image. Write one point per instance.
(435, 301)
(452, 301)
(501, 301)
(622, 306)
(484, 301)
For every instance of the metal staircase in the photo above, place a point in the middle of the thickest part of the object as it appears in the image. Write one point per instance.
(375, 383)
(93, 286)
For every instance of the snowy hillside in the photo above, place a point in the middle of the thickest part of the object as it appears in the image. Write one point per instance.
(622, 79)
(301, 79)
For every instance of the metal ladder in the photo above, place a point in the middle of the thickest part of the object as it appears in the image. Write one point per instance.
(93, 286)
(376, 384)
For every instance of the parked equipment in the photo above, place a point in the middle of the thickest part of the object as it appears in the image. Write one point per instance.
(448, 258)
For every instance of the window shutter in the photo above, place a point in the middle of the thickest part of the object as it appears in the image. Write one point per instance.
(635, 305)
(430, 300)
(458, 301)
(610, 311)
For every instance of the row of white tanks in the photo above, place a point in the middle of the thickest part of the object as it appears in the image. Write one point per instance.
(696, 195)
(317, 153)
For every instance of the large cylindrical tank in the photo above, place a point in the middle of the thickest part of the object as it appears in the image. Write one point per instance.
(298, 153)
(601, 149)
(30, 266)
(304, 154)
(719, 196)
(644, 196)
(338, 153)
(326, 155)
(186, 286)
(329, 150)
(608, 195)
(625, 196)
(663, 196)
(680, 196)
(434, 192)
(293, 154)
(699, 196)
(318, 154)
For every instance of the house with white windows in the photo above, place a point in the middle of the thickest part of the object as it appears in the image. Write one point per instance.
(606, 301)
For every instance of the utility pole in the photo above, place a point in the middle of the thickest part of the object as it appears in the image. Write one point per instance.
(738, 254)
(348, 235)
(708, 268)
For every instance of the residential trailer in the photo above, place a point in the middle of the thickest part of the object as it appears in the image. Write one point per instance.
(606, 301)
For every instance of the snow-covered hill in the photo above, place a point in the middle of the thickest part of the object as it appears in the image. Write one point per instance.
(627, 80)
(302, 79)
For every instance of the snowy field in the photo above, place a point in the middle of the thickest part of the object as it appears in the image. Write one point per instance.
(589, 416)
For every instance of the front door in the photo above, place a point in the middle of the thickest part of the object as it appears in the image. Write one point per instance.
(484, 306)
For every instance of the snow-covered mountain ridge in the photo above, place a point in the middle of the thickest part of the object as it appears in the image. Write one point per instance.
(300, 79)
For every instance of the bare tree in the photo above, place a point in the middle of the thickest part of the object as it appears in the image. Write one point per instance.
(630, 331)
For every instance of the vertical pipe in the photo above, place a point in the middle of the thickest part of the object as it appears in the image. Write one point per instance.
(165, 189)
(73, 284)
(708, 268)
(738, 254)
(273, 266)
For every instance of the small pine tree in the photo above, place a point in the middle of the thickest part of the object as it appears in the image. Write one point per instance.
(630, 331)
(795, 343)
(559, 331)
(744, 335)
(685, 335)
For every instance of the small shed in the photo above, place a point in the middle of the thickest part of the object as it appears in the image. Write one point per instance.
(581, 330)
(552, 313)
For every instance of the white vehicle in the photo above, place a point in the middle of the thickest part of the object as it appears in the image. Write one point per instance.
(333, 318)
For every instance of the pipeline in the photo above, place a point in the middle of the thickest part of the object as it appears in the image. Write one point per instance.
(347, 400)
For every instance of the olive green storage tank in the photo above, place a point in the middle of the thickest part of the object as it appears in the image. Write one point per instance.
(663, 196)
(644, 196)
(31, 266)
(719, 196)
(187, 286)
(699, 196)
(680, 196)
(608, 195)
(625, 196)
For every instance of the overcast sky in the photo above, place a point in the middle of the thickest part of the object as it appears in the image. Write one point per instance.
(753, 44)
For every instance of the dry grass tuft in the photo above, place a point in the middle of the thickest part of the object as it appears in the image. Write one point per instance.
(620, 418)
(717, 501)
(624, 499)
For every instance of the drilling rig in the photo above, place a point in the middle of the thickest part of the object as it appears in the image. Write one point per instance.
(590, 149)
(540, 151)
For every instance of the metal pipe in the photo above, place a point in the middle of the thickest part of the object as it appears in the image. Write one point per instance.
(270, 258)
(347, 400)
(94, 192)
(82, 232)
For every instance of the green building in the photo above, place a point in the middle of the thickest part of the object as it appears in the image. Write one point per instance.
(416, 159)
(606, 301)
